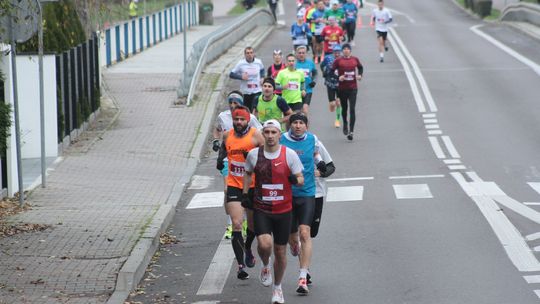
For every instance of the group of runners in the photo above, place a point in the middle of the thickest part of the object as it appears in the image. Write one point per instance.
(273, 167)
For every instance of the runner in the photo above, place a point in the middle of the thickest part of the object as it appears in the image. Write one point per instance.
(335, 11)
(305, 145)
(346, 67)
(224, 123)
(292, 83)
(320, 183)
(381, 16)
(317, 19)
(249, 71)
(332, 34)
(274, 69)
(277, 168)
(331, 80)
(238, 142)
(273, 6)
(351, 12)
(300, 32)
(309, 69)
(271, 106)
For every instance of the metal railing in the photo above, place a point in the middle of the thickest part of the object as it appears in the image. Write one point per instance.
(212, 46)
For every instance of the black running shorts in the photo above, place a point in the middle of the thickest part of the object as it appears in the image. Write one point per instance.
(278, 225)
(319, 38)
(382, 34)
(332, 94)
(297, 106)
(235, 195)
(303, 212)
(307, 99)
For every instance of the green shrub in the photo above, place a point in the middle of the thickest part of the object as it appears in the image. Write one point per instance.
(62, 29)
(5, 119)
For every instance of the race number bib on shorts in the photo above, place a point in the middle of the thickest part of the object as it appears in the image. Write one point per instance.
(272, 192)
(300, 41)
(237, 168)
(293, 85)
(349, 75)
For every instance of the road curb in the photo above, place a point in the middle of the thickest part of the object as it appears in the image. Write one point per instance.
(135, 266)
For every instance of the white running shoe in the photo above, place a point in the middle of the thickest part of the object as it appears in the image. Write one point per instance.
(277, 296)
(266, 276)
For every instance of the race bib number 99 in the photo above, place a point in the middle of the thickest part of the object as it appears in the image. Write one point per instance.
(272, 192)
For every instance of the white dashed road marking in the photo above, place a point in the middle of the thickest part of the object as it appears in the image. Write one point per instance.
(345, 194)
(206, 200)
(412, 191)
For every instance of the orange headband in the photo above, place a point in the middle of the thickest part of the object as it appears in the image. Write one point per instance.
(241, 111)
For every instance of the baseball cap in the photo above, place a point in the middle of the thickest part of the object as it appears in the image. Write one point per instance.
(336, 48)
(272, 123)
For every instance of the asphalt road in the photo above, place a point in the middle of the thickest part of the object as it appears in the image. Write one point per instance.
(433, 201)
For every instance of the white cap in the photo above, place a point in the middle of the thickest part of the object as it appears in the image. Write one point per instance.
(272, 123)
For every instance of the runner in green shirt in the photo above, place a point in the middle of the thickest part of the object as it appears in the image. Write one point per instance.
(271, 106)
(335, 11)
(291, 81)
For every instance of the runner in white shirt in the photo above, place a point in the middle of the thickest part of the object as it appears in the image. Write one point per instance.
(381, 16)
(250, 72)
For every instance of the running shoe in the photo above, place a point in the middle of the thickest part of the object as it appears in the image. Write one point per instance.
(295, 249)
(308, 279)
(345, 129)
(302, 286)
(350, 136)
(336, 124)
(386, 48)
(228, 232)
(242, 274)
(382, 59)
(244, 228)
(266, 276)
(249, 259)
(277, 296)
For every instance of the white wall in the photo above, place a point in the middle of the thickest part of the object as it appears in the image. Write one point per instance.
(29, 113)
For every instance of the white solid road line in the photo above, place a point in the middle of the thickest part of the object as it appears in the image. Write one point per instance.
(417, 72)
(450, 147)
(410, 77)
(206, 200)
(513, 243)
(535, 67)
(347, 179)
(216, 276)
(436, 147)
(429, 115)
(518, 208)
(531, 203)
(416, 176)
(432, 127)
(457, 167)
(533, 237)
(431, 121)
(535, 186)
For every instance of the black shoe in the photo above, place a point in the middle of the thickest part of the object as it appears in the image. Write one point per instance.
(345, 129)
(382, 59)
(386, 48)
(249, 259)
(308, 278)
(242, 274)
(350, 136)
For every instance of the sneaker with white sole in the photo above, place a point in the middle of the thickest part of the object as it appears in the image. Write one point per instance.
(266, 276)
(277, 296)
(302, 286)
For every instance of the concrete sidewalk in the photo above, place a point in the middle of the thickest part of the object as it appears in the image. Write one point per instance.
(114, 188)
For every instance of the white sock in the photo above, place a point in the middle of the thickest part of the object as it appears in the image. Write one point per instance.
(277, 286)
(381, 55)
(303, 273)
